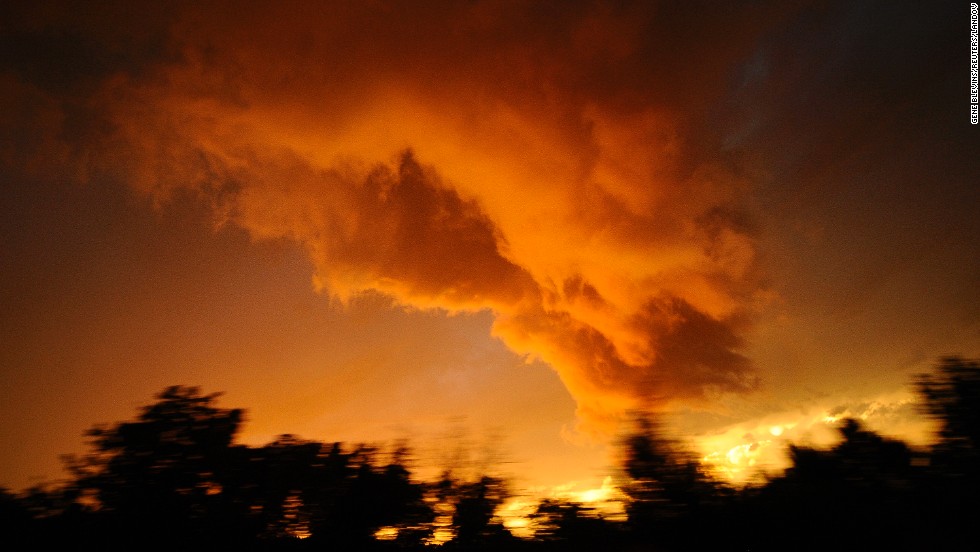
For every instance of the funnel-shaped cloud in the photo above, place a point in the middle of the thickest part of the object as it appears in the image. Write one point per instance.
(555, 166)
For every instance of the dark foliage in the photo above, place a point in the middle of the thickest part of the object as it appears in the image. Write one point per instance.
(666, 484)
(566, 525)
(951, 396)
(175, 478)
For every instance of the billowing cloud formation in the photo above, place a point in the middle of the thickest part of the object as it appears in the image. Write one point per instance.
(560, 166)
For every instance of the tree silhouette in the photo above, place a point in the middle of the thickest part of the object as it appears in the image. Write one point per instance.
(476, 502)
(951, 396)
(857, 495)
(278, 486)
(569, 525)
(356, 495)
(668, 488)
(174, 477)
(163, 477)
(17, 522)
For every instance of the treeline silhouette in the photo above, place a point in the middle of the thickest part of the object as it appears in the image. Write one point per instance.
(174, 478)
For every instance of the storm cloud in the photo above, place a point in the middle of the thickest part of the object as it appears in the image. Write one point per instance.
(559, 166)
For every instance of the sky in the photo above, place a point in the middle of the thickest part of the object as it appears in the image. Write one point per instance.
(496, 227)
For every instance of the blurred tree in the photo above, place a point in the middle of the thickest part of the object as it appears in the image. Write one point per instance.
(856, 495)
(862, 458)
(353, 494)
(951, 396)
(475, 509)
(665, 480)
(572, 525)
(670, 493)
(553, 518)
(278, 486)
(475, 504)
(166, 476)
(403, 503)
(174, 475)
(16, 519)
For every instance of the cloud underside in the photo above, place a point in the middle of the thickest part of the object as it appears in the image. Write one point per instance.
(556, 168)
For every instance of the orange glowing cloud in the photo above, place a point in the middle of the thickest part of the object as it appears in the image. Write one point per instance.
(540, 163)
